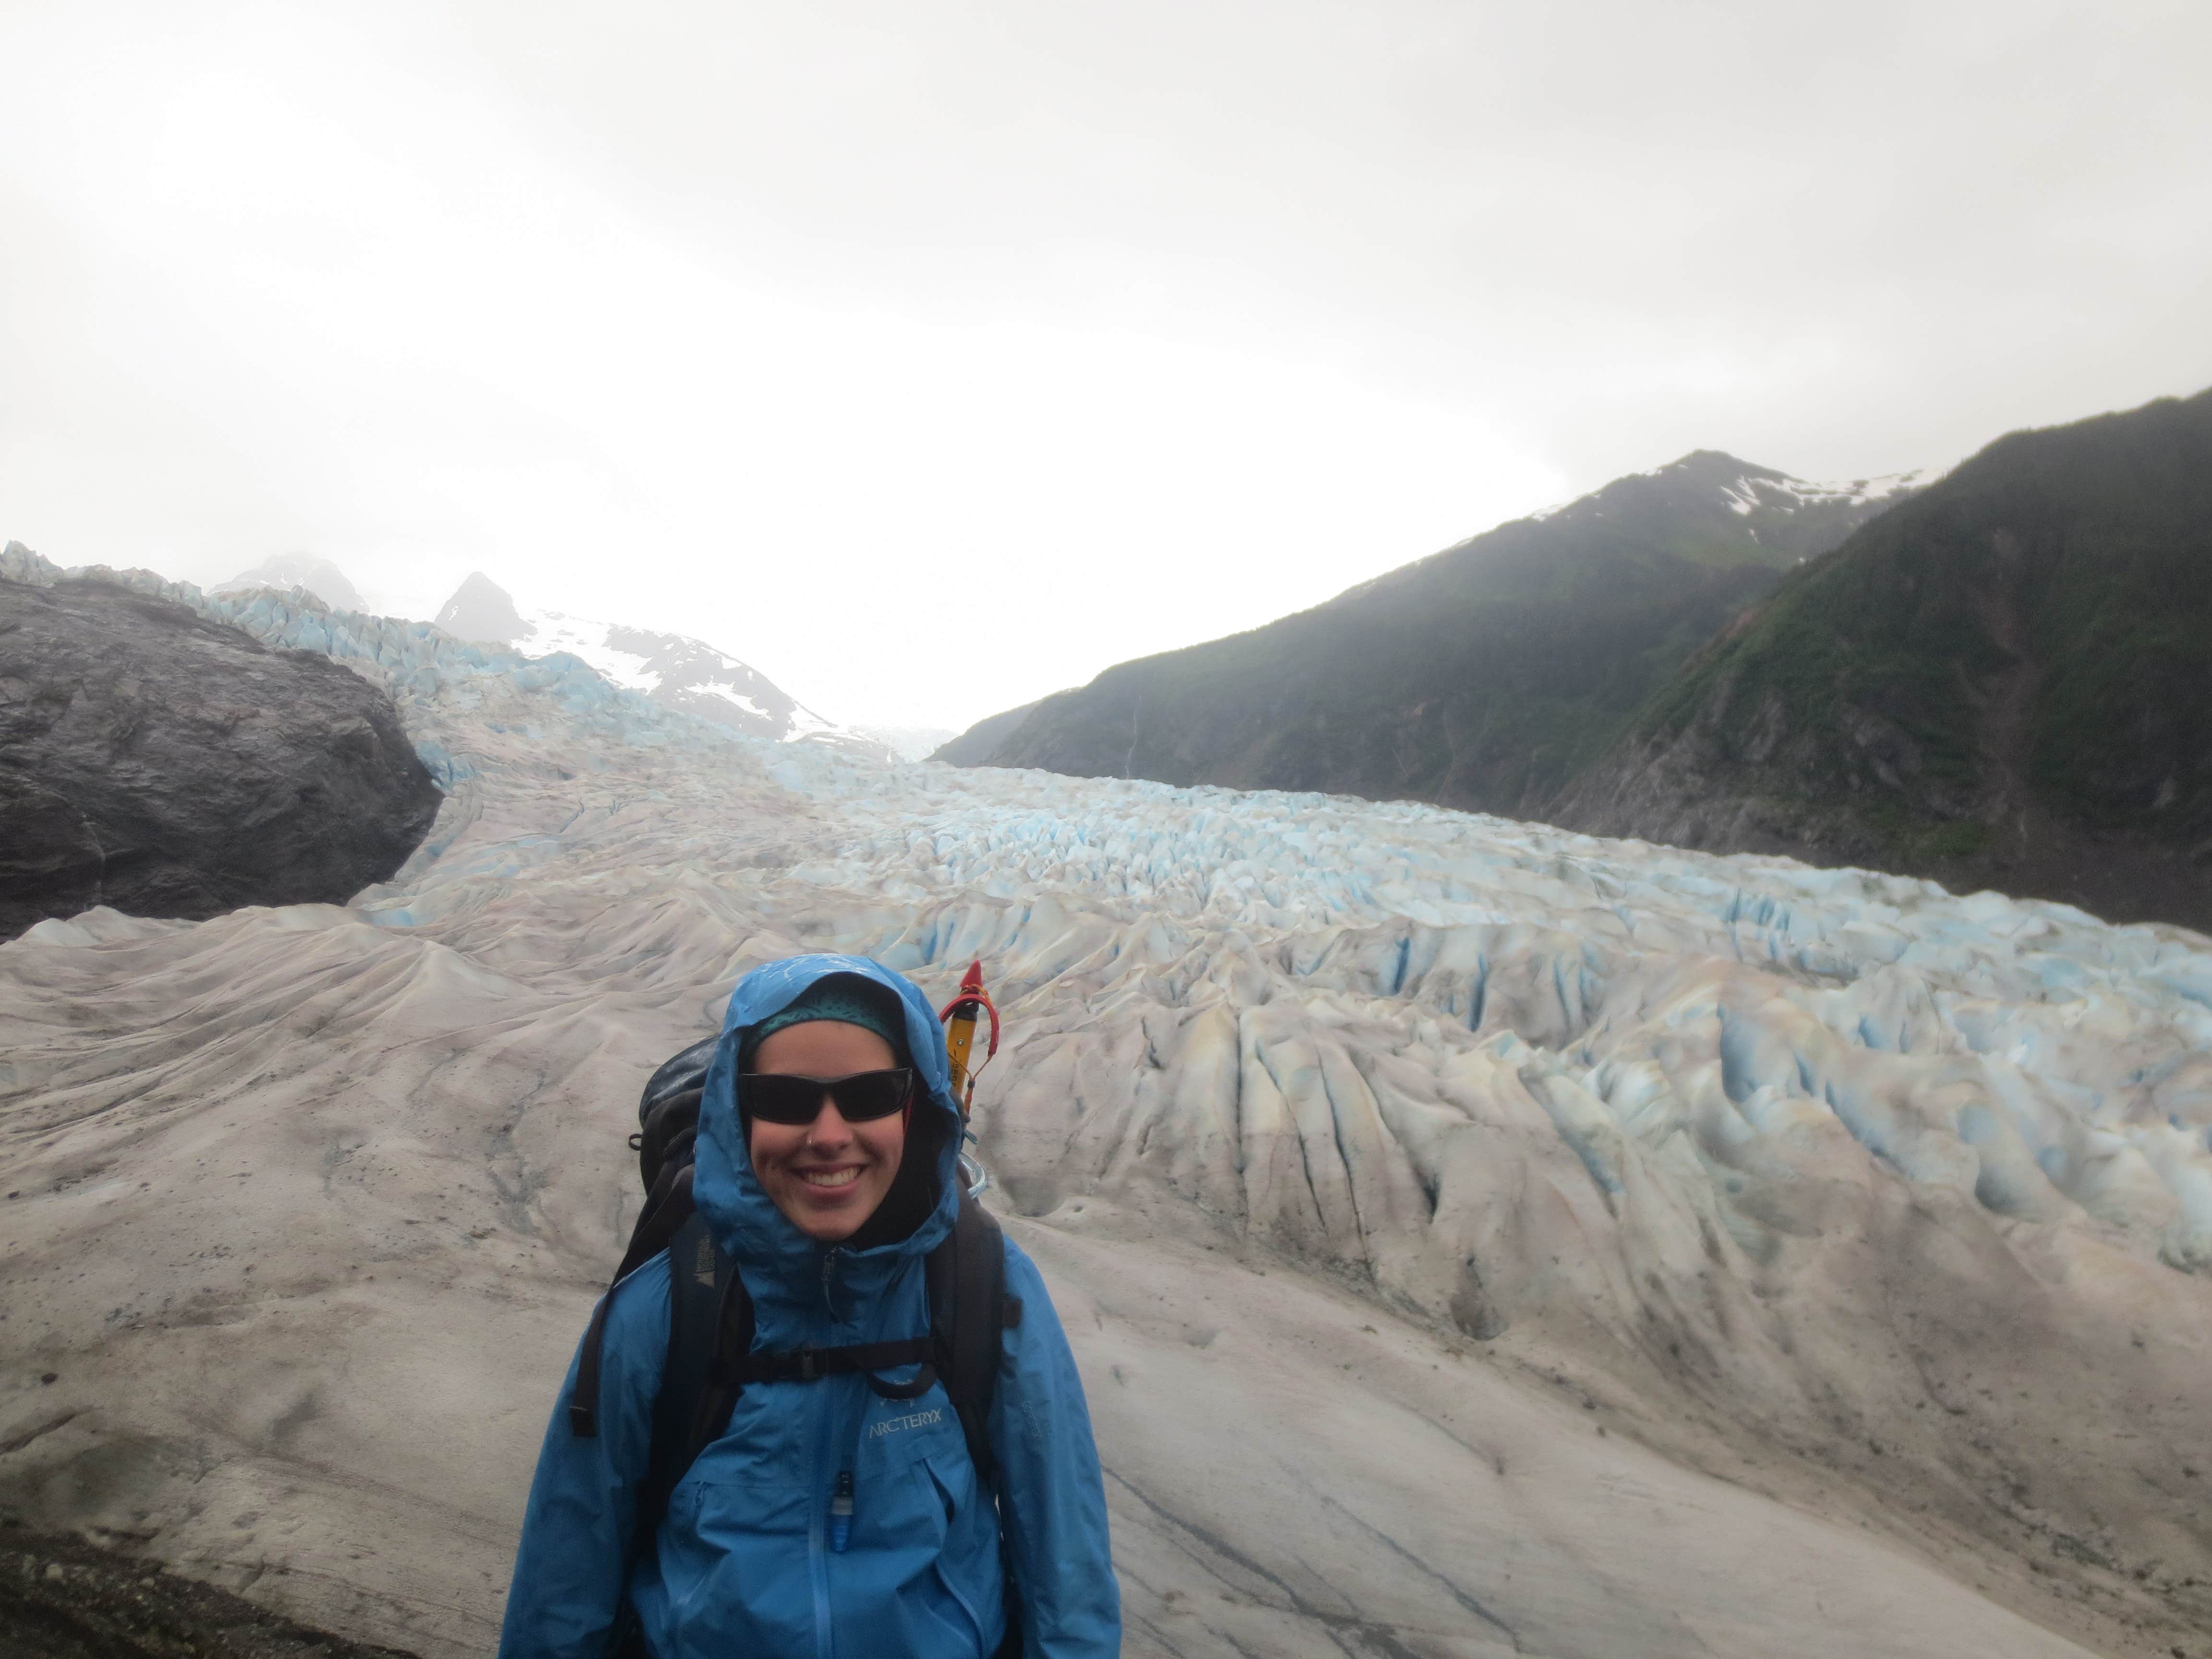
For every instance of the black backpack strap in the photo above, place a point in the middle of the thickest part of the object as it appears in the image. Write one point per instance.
(710, 1359)
(708, 1308)
(804, 1365)
(708, 1313)
(667, 1211)
(970, 1312)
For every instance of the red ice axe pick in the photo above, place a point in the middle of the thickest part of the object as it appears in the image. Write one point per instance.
(959, 1017)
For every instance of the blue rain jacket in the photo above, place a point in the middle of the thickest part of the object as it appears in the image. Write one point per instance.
(742, 1567)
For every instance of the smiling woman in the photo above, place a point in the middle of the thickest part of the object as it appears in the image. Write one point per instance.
(862, 1497)
(826, 1105)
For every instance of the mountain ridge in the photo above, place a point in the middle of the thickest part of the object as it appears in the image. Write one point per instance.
(1443, 680)
(2005, 682)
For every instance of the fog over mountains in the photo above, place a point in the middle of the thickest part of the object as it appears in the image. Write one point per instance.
(318, 575)
(1482, 677)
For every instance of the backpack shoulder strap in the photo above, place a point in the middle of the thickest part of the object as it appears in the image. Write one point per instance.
(668, 1121)
(667, 1210)
(970, 1313)
(707, 1307)
(693, 1406)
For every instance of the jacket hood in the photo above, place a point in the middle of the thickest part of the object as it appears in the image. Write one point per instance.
(723, 1185)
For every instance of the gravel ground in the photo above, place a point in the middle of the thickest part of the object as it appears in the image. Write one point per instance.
(62, 1598)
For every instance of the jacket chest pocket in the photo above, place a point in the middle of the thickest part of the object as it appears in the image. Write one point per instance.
(768, 1442)
(912, 1458)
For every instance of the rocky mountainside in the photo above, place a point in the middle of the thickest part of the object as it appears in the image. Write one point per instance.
(672, 669)
(2005, 682)
(165, 764)
(1482, 677)
(976, 746)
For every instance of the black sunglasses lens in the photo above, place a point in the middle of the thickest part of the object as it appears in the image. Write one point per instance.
(867, 1094)
(775, 1097)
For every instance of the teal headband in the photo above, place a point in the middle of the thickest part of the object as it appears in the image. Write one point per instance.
(841, 997)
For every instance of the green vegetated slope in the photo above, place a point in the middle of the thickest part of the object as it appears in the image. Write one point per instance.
(2006, 681)
(973, 747)
(1486, 676)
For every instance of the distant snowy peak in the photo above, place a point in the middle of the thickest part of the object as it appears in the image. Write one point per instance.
(482, 610)
(1746, 490)
(286, 570)
(670, 668)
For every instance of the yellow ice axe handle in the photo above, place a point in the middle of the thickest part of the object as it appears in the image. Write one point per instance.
(959, 1039)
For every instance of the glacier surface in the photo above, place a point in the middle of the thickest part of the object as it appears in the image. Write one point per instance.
(1477, 1238)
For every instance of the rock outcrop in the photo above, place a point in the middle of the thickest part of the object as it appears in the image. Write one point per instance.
(164, 764)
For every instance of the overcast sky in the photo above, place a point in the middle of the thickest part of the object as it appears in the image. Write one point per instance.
(933, 356)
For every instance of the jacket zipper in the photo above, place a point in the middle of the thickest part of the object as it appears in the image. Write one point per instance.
(817, 1558)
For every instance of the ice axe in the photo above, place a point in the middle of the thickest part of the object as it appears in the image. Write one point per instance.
(958, 1017)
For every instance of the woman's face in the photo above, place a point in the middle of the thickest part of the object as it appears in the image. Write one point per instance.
(827, 1177)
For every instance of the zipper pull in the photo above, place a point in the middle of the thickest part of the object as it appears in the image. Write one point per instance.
(841, 1512)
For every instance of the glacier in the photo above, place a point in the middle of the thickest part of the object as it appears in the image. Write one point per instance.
(1477, 1238)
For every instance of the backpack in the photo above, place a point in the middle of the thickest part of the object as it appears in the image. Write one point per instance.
(710, 1326)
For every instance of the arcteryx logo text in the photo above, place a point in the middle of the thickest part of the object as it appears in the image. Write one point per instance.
(911, 1420)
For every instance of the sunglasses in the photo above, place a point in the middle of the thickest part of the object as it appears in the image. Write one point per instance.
(861, 1097)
